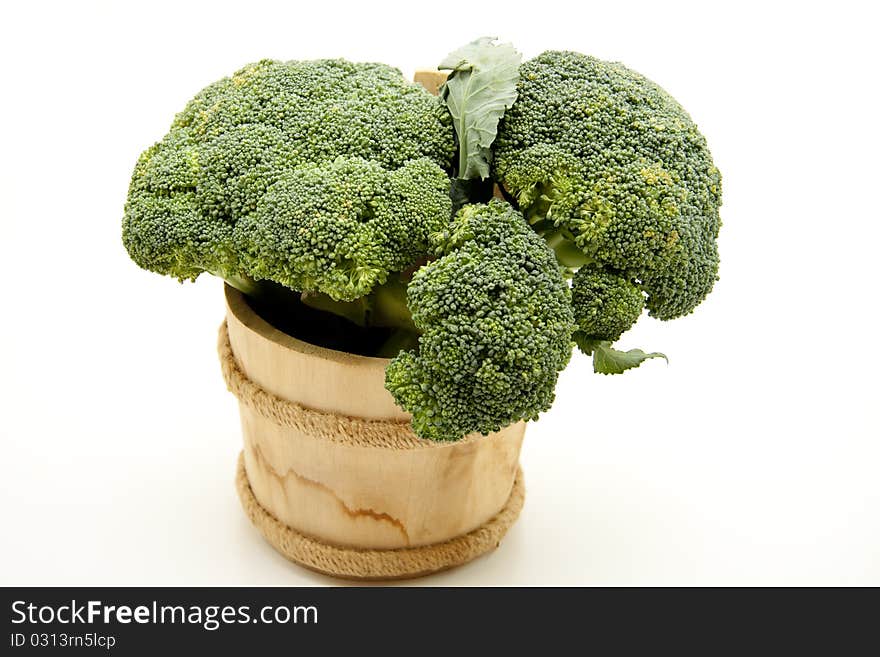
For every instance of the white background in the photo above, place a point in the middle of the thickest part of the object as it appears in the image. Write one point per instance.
(752, 458)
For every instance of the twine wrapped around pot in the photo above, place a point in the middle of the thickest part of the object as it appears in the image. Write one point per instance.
(376, 437)
(386, 434)
(401, 563)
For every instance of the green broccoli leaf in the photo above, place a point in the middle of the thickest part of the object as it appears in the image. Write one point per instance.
(607, 360)
(481, 86)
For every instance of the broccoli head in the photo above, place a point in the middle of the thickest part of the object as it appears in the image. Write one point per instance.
(495, 317)
(200, 199)
(605, 303)
(602, 159)
(341, 228)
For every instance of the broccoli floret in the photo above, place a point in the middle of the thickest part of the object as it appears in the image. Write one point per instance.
(600, 157)
(326, 108)
(195, 195)
(341, 228)
(164, 229)
(605, 303)
(496, 321)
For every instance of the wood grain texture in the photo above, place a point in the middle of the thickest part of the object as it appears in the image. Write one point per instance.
(378, 564)
(358, 495)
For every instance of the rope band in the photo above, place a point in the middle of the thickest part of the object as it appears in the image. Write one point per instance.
(352, 563)
(388, 434)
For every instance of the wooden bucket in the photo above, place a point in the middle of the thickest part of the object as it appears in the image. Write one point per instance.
(332, 473)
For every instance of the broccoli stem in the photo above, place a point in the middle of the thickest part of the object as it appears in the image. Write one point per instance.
(243, 284)
(567, 252)
(389, 306)
(385, 306)
(399, 341)
(267, 292)
(354, 311)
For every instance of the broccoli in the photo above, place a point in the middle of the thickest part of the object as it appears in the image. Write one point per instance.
(341, 228)
(247, 184)
(614, 174)
(495, 317)
(607, 304)
(325, 186)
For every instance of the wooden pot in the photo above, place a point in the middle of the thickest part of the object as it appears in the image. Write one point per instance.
(332, 473)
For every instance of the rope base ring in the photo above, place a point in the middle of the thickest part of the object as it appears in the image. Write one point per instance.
(373, 564)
